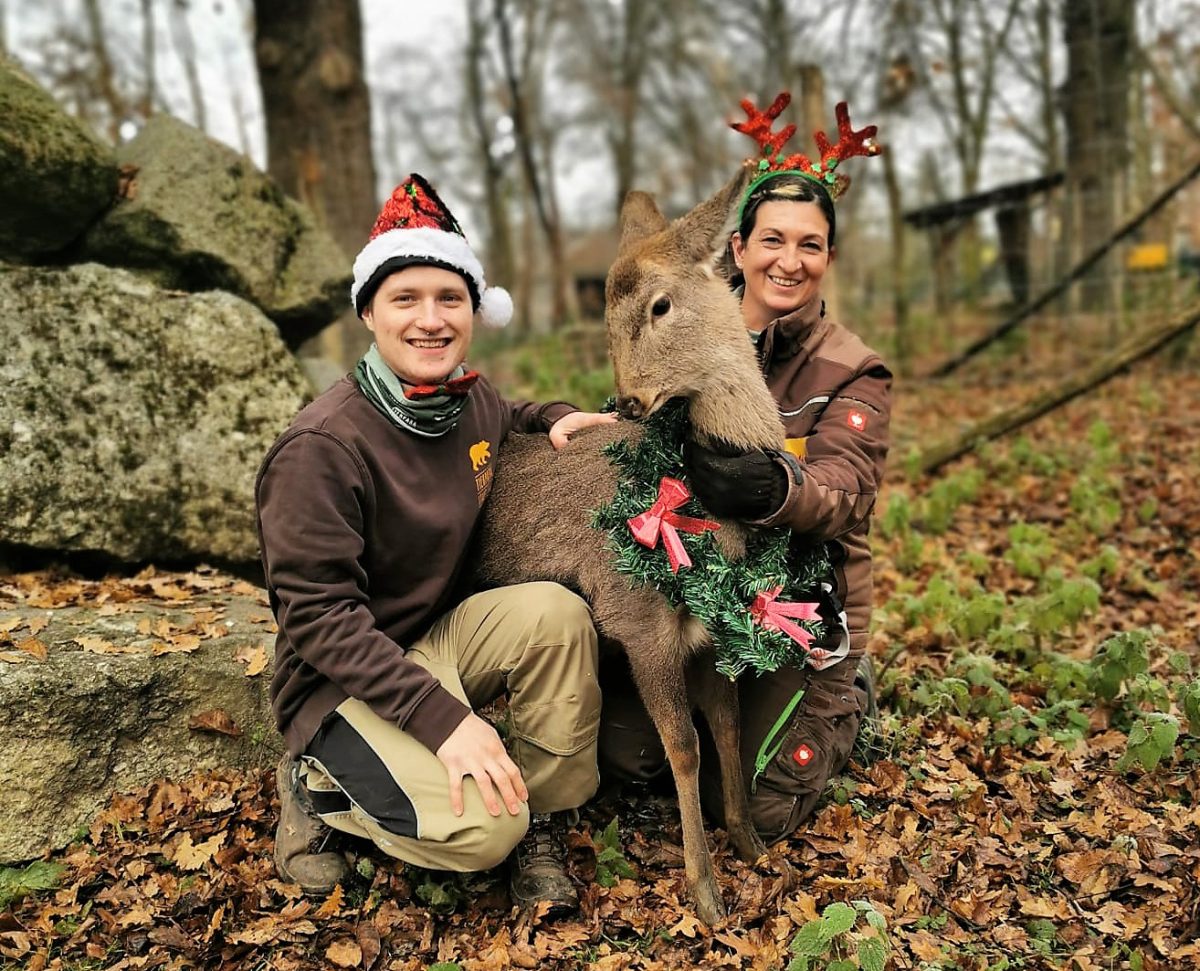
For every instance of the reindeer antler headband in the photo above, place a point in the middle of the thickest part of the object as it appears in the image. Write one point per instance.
(773, 162)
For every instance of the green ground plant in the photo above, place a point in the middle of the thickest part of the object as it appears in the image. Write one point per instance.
(1015, 662)
(844, 938)
(611, 865)
(37, 878)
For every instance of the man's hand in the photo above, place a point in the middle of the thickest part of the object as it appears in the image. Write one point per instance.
(747, 486)
(475, 749)
(562, 430)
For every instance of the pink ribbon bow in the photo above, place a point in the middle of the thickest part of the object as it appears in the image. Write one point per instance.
(774, 614)
(662, 519)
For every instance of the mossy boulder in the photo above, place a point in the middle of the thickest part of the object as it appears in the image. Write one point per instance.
(99, 701)
(56, 175)
(133, 419)
(199, 216)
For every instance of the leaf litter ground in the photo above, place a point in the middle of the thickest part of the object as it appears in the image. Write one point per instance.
(1002, 824)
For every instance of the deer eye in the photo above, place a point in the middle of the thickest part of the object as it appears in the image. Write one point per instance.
(660, 307)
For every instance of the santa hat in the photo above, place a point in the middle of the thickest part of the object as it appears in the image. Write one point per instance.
(415, 228)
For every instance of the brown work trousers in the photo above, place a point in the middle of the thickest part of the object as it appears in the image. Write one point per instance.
(534, 643)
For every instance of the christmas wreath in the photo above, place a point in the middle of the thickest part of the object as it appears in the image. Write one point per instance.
(761, 611)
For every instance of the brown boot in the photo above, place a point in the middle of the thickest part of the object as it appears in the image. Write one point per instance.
(539, 867)
(300, 836)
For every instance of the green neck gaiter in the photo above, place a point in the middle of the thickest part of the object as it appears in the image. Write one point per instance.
(427, 417)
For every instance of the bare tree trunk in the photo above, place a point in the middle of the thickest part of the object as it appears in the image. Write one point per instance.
(105, 78)
(318, 118)
(527, 141)
(527, 278)
(813, 118)
(1099, 35)
(239, 113)
(903, 345)
(185, 46)
(148, 52)
(1171, 95)
(499, 246)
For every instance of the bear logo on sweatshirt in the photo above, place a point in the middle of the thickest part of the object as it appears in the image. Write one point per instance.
(481, 456)
(480, 452)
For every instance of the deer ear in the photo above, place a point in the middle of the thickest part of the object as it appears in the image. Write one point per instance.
(640, 217)
(704, 232)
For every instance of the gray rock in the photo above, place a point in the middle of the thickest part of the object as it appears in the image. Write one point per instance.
(199, 216)
(321, 372)
(56, 176)
(133, 419)
(80, 726)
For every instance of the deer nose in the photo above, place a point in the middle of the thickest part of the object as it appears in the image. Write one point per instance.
(630, 407)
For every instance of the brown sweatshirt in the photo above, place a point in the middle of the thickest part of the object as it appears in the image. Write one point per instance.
(363, 528)
(834, 396)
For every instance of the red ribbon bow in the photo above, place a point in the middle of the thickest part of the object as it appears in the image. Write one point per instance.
(457, 387)
(661, 518)
(774, 614)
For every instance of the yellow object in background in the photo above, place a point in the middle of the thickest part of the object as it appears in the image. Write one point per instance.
(1147, 256)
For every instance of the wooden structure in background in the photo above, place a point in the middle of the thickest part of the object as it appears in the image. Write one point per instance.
(1013, 205)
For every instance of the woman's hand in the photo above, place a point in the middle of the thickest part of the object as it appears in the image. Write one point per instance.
(748, 485)
(475, 749)
(562, 430)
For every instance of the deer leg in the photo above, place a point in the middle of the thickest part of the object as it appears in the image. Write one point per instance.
(663, 688)
(718, 700)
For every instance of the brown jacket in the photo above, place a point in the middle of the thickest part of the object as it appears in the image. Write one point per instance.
(364, 529)
(834, 398)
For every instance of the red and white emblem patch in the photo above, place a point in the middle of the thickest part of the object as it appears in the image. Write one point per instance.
(803, 755)
(857, 420)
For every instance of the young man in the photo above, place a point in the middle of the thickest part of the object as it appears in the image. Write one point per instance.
(366, 507)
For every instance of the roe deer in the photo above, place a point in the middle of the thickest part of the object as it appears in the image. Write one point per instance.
(674, 330)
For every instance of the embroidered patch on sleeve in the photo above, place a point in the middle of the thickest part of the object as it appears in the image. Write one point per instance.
(857, 420)
(803, 755)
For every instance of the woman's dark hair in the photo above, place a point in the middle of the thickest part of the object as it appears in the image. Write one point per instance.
(789, 187)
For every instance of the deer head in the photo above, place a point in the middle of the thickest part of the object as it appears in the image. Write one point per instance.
(674, 327)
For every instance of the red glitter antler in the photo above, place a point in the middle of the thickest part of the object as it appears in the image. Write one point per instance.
(758, 124)
(849, 144)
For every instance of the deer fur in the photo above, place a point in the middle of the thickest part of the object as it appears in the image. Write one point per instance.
(536, 525)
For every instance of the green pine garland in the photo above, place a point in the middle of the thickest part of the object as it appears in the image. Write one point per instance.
(714, 590)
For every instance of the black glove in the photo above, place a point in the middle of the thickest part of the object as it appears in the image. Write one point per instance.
(746, 485)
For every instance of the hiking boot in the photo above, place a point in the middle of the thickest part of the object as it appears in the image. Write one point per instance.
(300, 837)
(866, 743)
(539, 867)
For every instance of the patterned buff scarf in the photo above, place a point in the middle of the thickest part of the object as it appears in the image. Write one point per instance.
(429, 416)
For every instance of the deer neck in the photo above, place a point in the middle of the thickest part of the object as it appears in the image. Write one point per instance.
(736, 407)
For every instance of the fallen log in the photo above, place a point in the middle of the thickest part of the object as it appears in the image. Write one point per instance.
(1139, 346)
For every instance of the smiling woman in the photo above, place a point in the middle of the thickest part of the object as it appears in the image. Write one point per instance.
(783, 250)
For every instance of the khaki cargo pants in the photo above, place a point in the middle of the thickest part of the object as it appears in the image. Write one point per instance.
(533, 642)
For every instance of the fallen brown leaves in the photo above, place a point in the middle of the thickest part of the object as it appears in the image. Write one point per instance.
(196, 601)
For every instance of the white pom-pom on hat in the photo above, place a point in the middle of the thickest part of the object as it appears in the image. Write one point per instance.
(495, 307)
